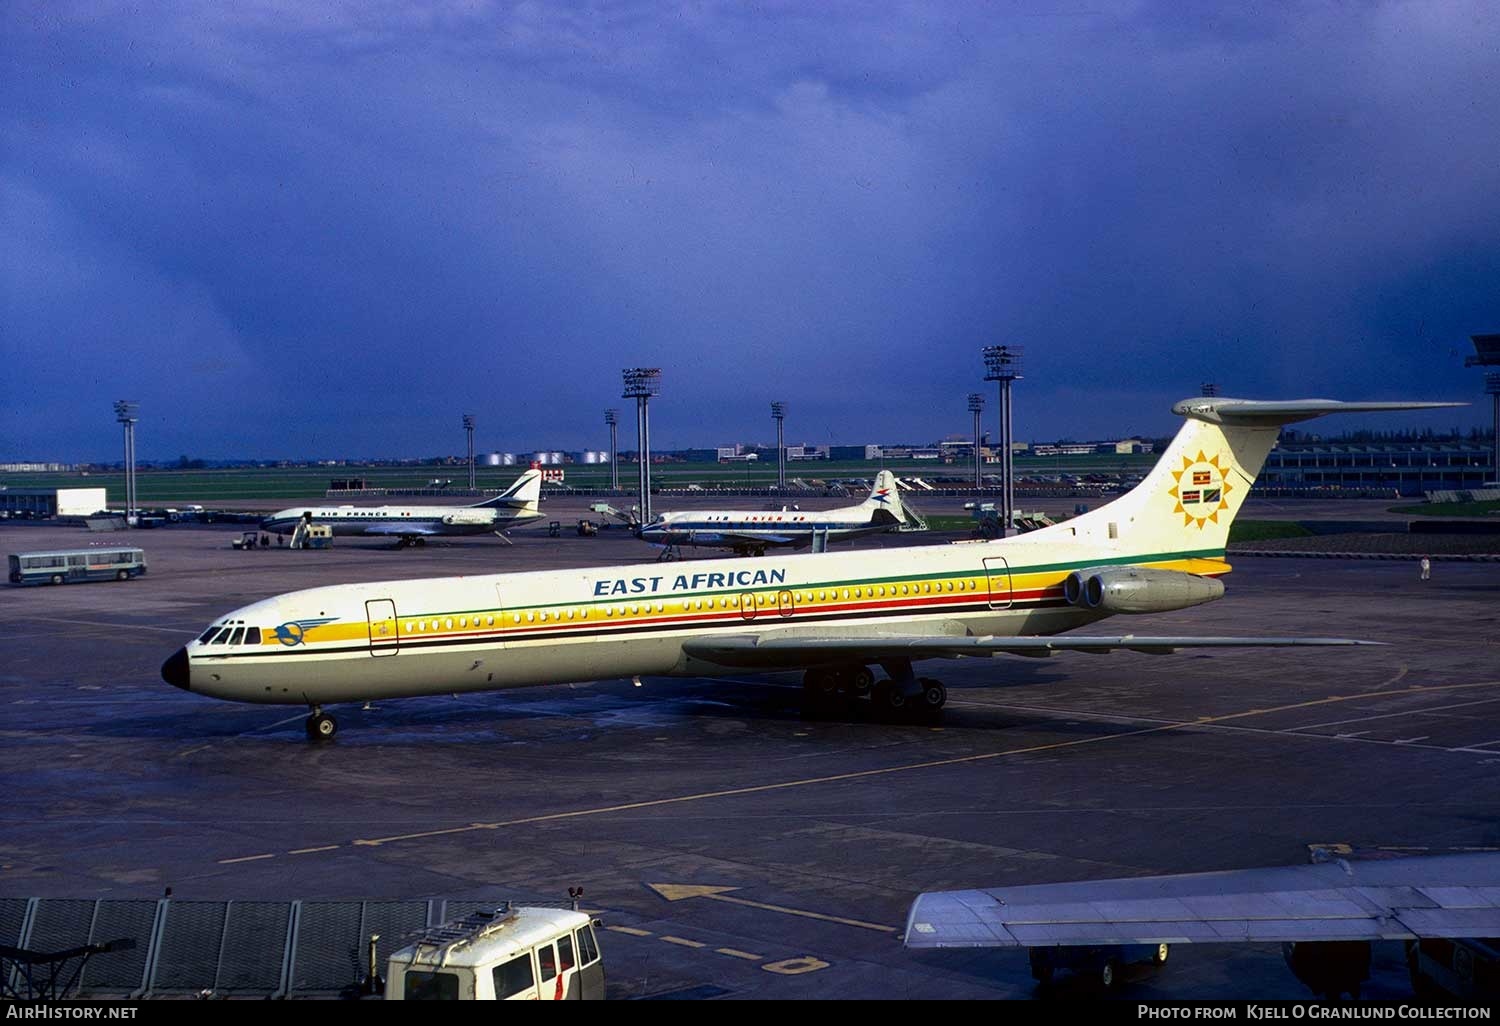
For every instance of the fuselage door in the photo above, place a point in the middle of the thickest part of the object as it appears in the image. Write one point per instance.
(998, 572)
(384, 640)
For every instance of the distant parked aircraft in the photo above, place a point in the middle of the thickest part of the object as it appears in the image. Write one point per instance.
(412, 525)
(750, 532)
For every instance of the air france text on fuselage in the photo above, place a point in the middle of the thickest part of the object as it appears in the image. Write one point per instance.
(689, 582)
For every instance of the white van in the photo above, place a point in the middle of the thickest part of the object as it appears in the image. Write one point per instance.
(509, 953)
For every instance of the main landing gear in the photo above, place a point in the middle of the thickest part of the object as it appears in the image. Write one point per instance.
(321, 726)
(841, 690)
(411, 541)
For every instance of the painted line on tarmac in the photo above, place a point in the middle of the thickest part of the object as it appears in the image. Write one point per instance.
(713, 892)
(1216, 722)
(235, 737)
(117, 626)
(959, 760)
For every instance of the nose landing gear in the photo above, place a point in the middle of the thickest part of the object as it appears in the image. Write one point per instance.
(321, 726)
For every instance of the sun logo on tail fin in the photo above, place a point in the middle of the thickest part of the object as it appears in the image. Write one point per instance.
(1202, 489)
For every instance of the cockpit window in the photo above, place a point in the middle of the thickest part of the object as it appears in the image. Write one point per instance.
(221, 637)
(237, 635)
(203, 638)
(252, 636)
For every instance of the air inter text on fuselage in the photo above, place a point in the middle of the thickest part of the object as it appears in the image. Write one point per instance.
(689, 582)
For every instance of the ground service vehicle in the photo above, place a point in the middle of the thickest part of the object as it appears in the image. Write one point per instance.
(1103, 962)
(507, 953)
(68, 566)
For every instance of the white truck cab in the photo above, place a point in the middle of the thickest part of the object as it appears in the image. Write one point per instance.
(508, 953)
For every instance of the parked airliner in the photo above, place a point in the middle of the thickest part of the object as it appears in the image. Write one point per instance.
(1159, 547)
(412, 525)
(752, 532)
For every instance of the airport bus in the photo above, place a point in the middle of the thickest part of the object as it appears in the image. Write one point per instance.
(66, 566)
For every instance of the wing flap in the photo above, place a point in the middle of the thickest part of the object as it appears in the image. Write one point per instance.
(768, 650)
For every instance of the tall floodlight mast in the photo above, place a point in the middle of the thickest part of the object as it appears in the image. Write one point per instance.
(612, 418)
(1487, 354)
(778, 414)
(469, 431)
(125, 413)
(1003, 364)
(642, 384)
(976, 407)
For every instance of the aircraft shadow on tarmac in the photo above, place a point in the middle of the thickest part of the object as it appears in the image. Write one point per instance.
(588, 709)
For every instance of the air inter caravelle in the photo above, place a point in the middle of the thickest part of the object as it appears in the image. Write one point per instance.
(1159, 547)
(751, 533)
(413, 525)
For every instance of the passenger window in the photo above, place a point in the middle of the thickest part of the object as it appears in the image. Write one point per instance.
(588, 951)
(565, 952)
(547, 958)
(513, 977)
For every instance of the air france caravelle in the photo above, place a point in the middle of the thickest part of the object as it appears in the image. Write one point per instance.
(1157, 548)
(412, 525)
(752, 532)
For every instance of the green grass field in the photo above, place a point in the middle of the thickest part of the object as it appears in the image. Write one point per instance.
(1450, 509)
(1265, 530)
(168, 487)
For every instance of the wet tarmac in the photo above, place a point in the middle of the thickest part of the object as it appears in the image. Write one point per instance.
(818, 832)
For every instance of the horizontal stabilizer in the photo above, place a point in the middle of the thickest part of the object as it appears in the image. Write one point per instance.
(1286, 411)
(752, 650)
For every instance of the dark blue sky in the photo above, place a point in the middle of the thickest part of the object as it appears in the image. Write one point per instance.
(294, 228)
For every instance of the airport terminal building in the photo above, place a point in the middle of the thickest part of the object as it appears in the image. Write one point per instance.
(1410, 468)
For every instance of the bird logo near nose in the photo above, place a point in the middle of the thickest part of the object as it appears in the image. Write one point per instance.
(292, 632)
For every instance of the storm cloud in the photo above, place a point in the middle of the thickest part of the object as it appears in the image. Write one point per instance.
(329, 229)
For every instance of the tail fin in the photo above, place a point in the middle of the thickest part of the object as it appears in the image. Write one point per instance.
(523, 495)
(1192, 495)
(885, 497)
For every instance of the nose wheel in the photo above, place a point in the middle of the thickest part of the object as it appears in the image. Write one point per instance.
(321, 726)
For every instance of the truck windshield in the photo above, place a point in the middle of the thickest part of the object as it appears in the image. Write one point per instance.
(424, 986)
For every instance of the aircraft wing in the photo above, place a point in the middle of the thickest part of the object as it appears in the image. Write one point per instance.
(733, 538)
(1380, 899)
(810, 649)
(391, 530)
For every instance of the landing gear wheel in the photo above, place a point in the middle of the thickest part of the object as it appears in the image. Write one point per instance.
(1160, 958)
(890, 703)
(820, 689)
(321, 727)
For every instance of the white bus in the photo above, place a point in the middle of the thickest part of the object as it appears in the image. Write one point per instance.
(67, 566)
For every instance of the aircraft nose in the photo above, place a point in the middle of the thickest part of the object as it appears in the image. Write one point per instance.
(175, 670)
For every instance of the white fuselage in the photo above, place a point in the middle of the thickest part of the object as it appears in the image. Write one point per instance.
(395, 521)
(406, 638)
